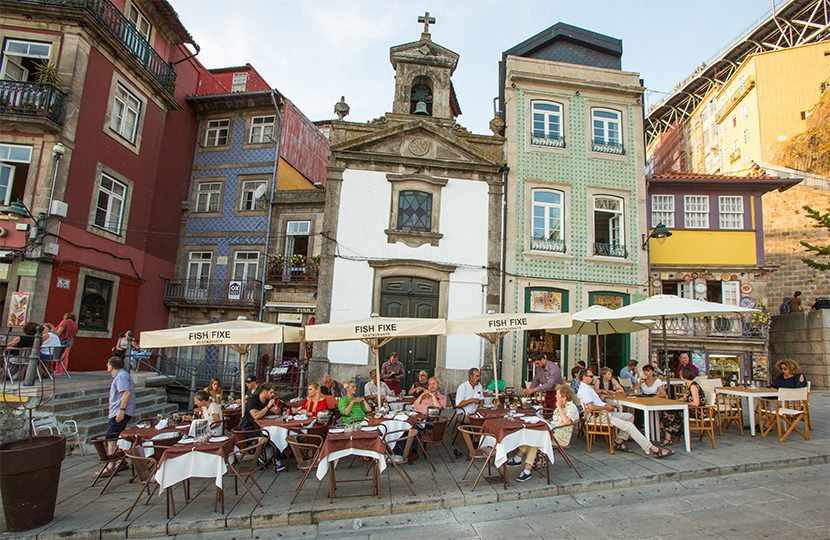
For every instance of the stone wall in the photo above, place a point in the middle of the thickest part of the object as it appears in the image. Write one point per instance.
(785, 224)
(805, 338)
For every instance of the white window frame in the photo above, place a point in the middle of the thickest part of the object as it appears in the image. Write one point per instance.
(696, 211)
(245, 261)
(137, 18)
(662, 210)
(548, 118)
(616, 225)
(6, 198)
(125, 105)
(208, 193)
(216, 130)
(731, 293)
(239, 82)
(606, 126)
(202, 263)
(260, 133)
(15, 153)
(295, 228)
(731, 212)
(114, 205)
(548, 209)
(247, 190)
(686, 289)
(19, 44)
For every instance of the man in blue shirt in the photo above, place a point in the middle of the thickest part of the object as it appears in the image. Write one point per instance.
(121, 403)
(630, 372)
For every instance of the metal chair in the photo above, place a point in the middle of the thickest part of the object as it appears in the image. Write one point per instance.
(67, 428)
(561, 449)
(269, 453)
(434, 434)
(790, 409)
(145, 471)
(408, 437)
(472, 436)
(243, 465)
(306, 450)
(117, 459)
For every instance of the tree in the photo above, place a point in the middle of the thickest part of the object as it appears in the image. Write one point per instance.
(822, 221)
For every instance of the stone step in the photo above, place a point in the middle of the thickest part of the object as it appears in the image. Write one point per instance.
(62, 403)
(80, 414)
(98, 425)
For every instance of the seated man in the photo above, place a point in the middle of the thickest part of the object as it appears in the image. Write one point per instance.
(470, 394)
(623, 421)
(370, 389)
(431, 397)
(630, 372)
(261, 404)
(565, 414)
(330, 387)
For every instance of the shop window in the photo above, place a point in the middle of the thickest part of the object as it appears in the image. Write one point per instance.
(95, 304)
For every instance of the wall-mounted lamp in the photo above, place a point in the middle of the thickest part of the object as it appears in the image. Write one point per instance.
(660, 231)
(18, 210)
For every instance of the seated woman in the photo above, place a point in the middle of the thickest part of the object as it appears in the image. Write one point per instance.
(49, 342)
(565, 414)
(208, 410)
(352, 409)
(649, 384)
(420, 385)
(606, 384)
(314, 402)
(214, 390)
(672, 421)
(789, 376)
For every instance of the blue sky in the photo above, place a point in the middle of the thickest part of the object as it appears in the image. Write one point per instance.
(316, 51)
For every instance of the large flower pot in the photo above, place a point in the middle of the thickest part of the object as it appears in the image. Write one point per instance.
(30, 470)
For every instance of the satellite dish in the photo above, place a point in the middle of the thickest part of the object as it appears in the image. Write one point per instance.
(259, 191)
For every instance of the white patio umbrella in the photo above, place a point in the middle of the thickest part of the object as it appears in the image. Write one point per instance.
(596, 321)
(375, 332)
(239, 334)
(494, 326)
(663, 306)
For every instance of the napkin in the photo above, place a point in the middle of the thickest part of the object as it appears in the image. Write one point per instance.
(301, 417)
(531, 419)
(391, 399)
(162, 424)
(233, 406)
(401, 417)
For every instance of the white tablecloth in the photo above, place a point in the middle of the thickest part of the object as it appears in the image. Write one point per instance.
(191, 465)
(323, 466)
(530, 437)
(278, 435)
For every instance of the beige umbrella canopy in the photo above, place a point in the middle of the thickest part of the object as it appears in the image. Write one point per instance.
(494, 326)
(239, 334)
(375, 332)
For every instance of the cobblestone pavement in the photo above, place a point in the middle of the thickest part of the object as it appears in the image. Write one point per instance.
(444, 496)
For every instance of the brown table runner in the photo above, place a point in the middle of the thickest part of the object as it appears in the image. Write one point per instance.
(363, 440)
(502, 427)
(501, 411)
(147, 433)
(274, 422)
(223, 448)
(413, 420)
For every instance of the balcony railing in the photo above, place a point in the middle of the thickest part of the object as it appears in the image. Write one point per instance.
(713, 327)
(218, 292)
(304, 273)
(544, 244)
(32, 99)
(116, 24)
(553, 141)
(608, 148)
(610, 250)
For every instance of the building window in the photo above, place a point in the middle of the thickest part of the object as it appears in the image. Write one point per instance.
(548, 221)
(240, 82)
(609, 227)
(216, 133)
(245, 265)
(15, 163)
(296, 247)
(252, 196)
(730, 293)
(96, 299)
(662, 210)
(731, 212)
(207, 196)
(414, 211)
(547, 124)
(109, 209)
(21, 59)
(696, 211)
(262, 129)
(607, 137)
(140, 22)
(198, 268)
(126, 112)
(686, 289)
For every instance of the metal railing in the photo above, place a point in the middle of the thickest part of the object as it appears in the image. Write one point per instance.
(547, 140)
(608, 148)
(116, 24)
(713, 327)
(213, 292)
(546, 244)
(292, 274)
(32, 99)
(610, 250)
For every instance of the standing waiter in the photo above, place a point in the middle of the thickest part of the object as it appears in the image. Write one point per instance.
(548, 376)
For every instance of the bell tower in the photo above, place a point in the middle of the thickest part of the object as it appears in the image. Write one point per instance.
(422, 77)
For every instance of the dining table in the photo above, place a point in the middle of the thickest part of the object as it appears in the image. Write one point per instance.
(750, 395)
(279, 429)
(505, 434)
(395, 424)
(651, 407)
(364, 442)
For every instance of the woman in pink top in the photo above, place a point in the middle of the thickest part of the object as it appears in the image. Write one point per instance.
(66, 330)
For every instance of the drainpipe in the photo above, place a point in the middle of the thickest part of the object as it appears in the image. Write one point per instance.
(504, 172)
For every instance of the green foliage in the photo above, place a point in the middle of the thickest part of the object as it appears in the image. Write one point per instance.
(822, 221)
(47, 73)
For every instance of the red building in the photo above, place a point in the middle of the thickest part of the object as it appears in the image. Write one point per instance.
(109, 134)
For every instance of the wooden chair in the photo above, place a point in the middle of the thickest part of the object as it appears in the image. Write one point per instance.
(472, 436)
(116, 459)
(434, 434)
(243, 465)
(306, 451)
(729, 409)
(145, 472)
(702, 419)
(790, 409)
(598, 424)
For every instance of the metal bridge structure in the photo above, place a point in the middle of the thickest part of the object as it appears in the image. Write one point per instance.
(796, 22)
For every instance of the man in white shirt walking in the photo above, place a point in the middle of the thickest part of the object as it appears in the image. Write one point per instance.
(621, 420)
(470, 394)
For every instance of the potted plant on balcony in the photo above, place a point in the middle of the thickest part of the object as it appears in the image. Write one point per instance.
(276, 267)
(313, 266)
(30, 467)
(47, 73)
(297, 264)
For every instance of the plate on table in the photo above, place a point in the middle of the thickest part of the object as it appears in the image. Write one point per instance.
(368, 428)
(142, 425)
(218, 439)
(183, 426)
(271, 417)
(337, 430)
(165, 436)
(187, 440)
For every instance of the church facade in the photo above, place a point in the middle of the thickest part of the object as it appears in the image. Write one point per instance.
(412, 222)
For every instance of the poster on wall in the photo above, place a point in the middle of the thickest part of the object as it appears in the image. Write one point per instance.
(699, 361)
(609, 301)
(760, 367)
(545, 302)
(18, 309)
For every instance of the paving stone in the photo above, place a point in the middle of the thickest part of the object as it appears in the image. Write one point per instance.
(508, 528)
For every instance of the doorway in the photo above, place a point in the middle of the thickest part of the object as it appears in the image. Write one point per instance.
(615, 349)
(416, 298)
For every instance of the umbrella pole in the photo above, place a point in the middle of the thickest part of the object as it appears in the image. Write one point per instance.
(376, 350)
(666, 356)
(242, 399)
(495, 369)
(301, 361)
(596, 337)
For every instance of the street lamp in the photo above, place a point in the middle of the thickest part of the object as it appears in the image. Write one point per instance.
(659, 232)
(18, 210)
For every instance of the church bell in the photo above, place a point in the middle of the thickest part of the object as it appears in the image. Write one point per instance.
(421, 108)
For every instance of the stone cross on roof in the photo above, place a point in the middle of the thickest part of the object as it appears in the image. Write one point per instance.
(427, 20)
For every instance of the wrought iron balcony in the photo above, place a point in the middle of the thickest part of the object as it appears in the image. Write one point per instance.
(213, 292)
(553, 141)
(610, 250)
(608, 148)
(713, 327)
(303, 273)
(32, 99)
(545, 244)
(111, 20)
